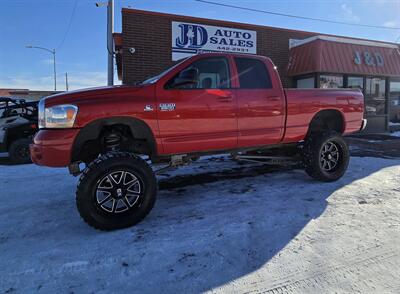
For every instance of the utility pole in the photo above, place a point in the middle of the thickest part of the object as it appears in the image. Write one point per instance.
(55, 73)
(110, 40)
(66, 81)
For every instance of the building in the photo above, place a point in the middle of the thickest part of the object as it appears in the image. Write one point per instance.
(31, 95)
(152, 41)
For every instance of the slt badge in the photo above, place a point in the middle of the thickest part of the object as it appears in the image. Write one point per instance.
(167, 106)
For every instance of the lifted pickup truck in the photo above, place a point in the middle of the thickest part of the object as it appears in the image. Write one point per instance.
(209, 103)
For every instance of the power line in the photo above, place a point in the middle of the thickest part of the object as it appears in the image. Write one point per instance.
(69, 25)
(298, 16)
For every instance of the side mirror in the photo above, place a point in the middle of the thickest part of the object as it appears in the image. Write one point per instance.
(187, 77)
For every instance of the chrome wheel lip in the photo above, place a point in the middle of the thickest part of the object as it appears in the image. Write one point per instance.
(329, 156)
(118, 191)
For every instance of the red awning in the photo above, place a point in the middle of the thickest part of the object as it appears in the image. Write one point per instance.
(344, 56)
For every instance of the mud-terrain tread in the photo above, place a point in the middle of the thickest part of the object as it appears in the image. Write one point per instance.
(311, 156)
(80, 194)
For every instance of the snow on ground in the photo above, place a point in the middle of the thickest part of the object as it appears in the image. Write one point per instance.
(395, 134)
(217, 226)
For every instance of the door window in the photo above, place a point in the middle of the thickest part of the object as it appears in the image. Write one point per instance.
(375, 101)
(253, 74)
(212, 73)
(394, 94)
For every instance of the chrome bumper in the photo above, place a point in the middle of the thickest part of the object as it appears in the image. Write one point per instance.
(363, 124)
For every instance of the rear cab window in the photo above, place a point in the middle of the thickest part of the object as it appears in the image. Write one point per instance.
(253, 74)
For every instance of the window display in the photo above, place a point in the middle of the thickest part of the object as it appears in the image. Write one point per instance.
(329, 82)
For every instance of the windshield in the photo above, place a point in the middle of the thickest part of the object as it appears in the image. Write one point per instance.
(157, 77)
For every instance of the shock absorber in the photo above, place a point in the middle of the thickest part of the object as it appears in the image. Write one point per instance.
(112, 142)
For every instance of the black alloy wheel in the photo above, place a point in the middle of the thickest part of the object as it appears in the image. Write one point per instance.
(326, 156)
(19, 151)
(115, 191)
(119, 191)
(330, 156)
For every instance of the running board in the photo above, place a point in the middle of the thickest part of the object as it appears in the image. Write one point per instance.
(176, 160)
(272, 160)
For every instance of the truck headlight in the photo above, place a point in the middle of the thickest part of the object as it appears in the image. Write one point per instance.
(59, 116)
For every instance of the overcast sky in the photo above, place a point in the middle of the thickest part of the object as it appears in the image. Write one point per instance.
(81, 50)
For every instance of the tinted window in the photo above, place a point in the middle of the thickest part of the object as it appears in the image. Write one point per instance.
(306, 83)
(330, 82)
(394, 95)
(252, 74)
(355, 82)
(213, 73)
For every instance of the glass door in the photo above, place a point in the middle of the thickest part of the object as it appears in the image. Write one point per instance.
(375, 100)
(394, 100)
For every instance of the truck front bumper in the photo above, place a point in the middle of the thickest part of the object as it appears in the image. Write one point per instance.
(53, 147)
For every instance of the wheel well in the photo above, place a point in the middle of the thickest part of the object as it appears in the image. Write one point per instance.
(135, 136)
(327, 120)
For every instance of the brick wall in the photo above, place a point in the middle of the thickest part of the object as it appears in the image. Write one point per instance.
(150, 34)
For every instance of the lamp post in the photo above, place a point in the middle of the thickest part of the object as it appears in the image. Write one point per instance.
(110, 42)
(52, 51)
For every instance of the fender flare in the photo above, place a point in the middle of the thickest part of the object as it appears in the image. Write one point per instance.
(333, 111)
(91, 131)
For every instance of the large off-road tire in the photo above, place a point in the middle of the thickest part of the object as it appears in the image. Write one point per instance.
(326, 156)
(18, 152)
(116, 191)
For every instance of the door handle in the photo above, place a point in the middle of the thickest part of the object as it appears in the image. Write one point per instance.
(227, 98)
(274, 98)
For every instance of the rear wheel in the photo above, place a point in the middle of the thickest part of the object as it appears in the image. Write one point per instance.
(326, 156)
(116, 191)
(19, 151)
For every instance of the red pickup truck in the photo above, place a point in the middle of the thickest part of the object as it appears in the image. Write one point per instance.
(206, 104)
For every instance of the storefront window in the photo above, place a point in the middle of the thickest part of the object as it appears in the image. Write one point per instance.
(328, 81)
(306, 83)
(394, 94)
(375, 102)
(355, 83)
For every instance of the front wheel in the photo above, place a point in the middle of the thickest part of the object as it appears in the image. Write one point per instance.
(326, 156)
(116, 191)
(19, 151)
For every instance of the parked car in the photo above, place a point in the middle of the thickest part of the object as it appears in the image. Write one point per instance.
(18, 124)
(209, 103)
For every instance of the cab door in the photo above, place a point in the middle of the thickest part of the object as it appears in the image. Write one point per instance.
(261, 102)
(198, 116)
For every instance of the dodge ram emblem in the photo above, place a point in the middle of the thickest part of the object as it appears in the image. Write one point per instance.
(148, 108)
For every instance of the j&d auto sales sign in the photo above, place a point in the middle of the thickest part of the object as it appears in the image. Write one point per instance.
(190, 39)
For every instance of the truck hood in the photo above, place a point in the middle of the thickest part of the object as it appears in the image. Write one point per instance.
(84, 95)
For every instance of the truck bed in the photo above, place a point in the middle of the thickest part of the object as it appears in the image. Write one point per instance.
(303, 104)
